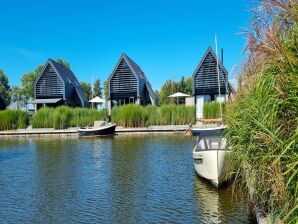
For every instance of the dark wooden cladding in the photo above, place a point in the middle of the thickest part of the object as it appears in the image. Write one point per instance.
(205, 78)
(123, 81)
(49, 85)
(60, 84)
(129, 84)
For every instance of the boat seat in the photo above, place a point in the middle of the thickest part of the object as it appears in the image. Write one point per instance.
(98, 124)
(212, 143)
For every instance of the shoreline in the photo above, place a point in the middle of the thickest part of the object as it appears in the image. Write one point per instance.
(44, 132)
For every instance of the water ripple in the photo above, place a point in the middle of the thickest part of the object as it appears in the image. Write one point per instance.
(123, 179)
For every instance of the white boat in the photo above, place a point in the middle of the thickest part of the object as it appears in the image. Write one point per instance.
(209, 154)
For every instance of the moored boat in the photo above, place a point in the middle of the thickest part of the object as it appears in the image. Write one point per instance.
(209, 155)
(208, 131)
(101, 128)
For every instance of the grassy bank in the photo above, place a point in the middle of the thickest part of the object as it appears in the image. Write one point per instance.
(263, 118)
(65, 117)
(139, 116)
(13, 119)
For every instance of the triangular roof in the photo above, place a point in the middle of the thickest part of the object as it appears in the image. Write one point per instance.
(220, 64)
(17, 106)
(209, 49)
(68, 77)
(138, 73)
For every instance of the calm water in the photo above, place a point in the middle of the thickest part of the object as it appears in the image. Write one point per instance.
(131, 179)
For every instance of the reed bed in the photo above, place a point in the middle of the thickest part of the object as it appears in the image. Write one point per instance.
(65, 117)
(139, 116)
(212, 110)
(43, 118)
(263, 118)
(13, 119)
(81, 117)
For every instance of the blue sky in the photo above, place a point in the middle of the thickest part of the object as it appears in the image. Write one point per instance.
(166, 38)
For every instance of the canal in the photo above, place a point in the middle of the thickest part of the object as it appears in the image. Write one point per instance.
(121, 179)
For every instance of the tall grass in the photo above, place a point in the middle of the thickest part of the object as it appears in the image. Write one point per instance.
(263, 119)
(86, 117)
(43, 118)
(138, 116)
(13, 119)
(212, 110)
(65, 117)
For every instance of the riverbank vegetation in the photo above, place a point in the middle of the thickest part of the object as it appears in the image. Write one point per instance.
(138, 116)
(13, 119)
(263, 118)
(65, 117)
(212, 110)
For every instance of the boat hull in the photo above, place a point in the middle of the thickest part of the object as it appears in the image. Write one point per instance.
(102, 131)
(210, 164)
(209, 132)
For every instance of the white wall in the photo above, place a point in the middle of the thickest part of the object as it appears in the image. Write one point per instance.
(190, 101)
(199, 106)
(221, 98)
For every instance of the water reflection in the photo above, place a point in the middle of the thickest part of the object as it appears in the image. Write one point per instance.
(128, 172)
(219, 206)
(56, 168)
(122, 179)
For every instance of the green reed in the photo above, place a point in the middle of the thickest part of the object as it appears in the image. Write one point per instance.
(44, 118)
(64, 117)
(212, 110)
(13, 119)
(139, 116)
(263, 118)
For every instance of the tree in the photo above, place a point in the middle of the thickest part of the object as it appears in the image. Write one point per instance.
(17, 94)
(4, 86)
(87, 89)
(182, 85)
(28, 81)
(188, 86)
(106, 90)
(156, 92)
(97, 90)
(64, 63)
(168, 88)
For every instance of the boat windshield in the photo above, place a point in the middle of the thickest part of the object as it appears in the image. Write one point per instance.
(211, 143)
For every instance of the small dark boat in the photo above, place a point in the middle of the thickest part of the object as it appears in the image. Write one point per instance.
(99, 129)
